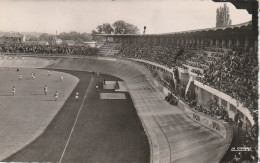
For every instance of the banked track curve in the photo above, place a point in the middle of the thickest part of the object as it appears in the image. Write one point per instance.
(173, 136)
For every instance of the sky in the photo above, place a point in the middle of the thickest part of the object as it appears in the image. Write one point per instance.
(159, 16)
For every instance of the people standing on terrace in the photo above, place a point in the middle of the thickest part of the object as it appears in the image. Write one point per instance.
(234, 73)
(48, 49)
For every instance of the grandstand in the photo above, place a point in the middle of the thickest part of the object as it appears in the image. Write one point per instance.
(200, 55)
(108, 49)
(189, 96)
(213, 70)
(196, 71)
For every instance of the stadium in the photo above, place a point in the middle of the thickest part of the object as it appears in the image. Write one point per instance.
(188, 96)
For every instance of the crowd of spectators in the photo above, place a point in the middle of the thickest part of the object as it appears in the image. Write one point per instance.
(197, 61)
(214, 49)
(152, 53)
(197, 72)
(250, 144)
(177, 89)
(214, 109)
(216, 54)
(234, 73)
(167, 55)
(48, 49)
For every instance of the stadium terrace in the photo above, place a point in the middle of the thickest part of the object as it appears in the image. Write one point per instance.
(235, 36)
(189, 96)
(213, 70)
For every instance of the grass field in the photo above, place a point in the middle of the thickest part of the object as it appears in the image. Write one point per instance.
(91, 129)
(24, 116)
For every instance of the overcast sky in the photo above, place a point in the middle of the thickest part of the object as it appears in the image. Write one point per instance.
(159, 16)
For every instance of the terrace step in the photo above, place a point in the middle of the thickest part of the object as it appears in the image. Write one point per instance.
(108, 49)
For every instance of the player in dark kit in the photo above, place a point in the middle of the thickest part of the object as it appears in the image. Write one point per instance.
(13, 91)
(45, 89)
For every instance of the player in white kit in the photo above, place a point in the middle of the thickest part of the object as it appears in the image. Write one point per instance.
(20, 77)
(56, 95)
(49, 73)
(61, 78)
(77, 96)
(33, 75)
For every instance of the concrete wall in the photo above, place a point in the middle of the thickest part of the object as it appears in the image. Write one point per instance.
(203, 96)
(204, 93)
(207, 122)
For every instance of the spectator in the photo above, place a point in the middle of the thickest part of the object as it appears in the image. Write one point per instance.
(48, 49)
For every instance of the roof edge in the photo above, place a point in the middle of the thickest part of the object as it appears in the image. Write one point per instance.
(182, 32)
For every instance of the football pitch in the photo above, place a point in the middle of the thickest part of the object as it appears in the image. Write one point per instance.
(90, 129)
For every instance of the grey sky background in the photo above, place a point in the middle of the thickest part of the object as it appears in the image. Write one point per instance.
(160, 16)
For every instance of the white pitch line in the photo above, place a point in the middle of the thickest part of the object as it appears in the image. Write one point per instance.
(75, 122)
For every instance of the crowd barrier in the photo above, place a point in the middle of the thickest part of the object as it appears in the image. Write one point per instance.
(207, 121)
(107, 58)
(218, 126)
(228, 98)
(222, 128)
(222, 95)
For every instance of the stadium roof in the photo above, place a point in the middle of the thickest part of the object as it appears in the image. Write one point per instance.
(183, 32)
(249, 5)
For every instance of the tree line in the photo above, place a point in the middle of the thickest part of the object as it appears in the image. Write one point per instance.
(223, 16)
(121, 27)
(75, 36)
(118, 27)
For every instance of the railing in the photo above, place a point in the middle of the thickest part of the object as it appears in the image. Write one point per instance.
(220, 127)
(207, 121)
(193, 68)
(182, 70)
(154, 64)
(228, 98)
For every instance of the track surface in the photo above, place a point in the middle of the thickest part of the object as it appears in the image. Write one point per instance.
(104, 131)
(173, 136)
